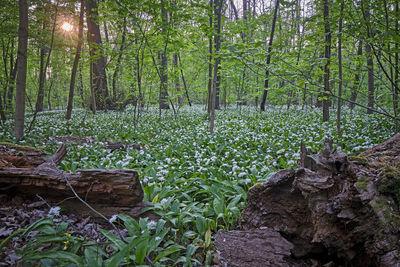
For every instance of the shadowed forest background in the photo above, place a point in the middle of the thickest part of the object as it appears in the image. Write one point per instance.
(204, 99)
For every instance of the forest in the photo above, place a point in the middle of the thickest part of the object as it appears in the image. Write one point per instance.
(200, 102)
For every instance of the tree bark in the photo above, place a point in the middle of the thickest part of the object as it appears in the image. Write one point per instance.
(163, 98)
(75, 64)
(105, 190)
(327, 56)
(217, 40)
(12, 77)
(177, 81)
(98, 61)
(117, 67)
(339, 103)
(356, 83)
(43, 68)
(184, 82)
(371, 87)
(210, 58)
(22, 66)
(271, 38)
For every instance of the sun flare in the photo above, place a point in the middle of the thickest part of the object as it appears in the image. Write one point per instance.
(67, 27)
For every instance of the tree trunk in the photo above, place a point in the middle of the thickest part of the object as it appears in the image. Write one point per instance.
(218, 85)
(42, 76)
(184, 82)
(43, 68)
(177, 81)
(210, 58)
(163, 98)
(75, 65)
(339, 104)
(327, 56)
(98, 61)
(22, 66)
(371, 87)
(271, 38)
(115, 75)
(11, 83)
(2, 114)
(370, 62)
(396, 59)
(356, 84)
(217, 40)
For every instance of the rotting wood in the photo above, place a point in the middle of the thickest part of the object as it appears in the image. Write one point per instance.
(108, 191)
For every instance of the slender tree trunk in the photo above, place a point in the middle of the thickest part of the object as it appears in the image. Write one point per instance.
(218, 11)
(12, 76)
(218, 85)
(271, 38)
(327, 55)
(2, 114)
(177, 81)
(370, 62)
(210, 58)
(43, 69)
(98, 61)
(75, 65)
(40, 96)
(356, 83)
(184, 82)
(118, 65)
(371, 87)
(396, 59)
(339, 104)
(163, 98)
(22, 66)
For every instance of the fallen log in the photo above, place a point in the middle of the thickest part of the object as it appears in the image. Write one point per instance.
(331, 211)
(107, 191)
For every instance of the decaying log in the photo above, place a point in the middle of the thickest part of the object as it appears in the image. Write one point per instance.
(108, 191)
(331, 210)
(12, 155)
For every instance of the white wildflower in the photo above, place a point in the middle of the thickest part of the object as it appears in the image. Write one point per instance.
(151, 224)
(242, 174)
(54, 212)
(113, 218)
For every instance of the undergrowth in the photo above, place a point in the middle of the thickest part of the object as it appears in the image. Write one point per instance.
(196, 181)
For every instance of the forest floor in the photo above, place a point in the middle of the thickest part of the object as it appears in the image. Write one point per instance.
(196, 181)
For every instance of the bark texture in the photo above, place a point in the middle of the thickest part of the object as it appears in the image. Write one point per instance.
(108, 191)
(331, 210)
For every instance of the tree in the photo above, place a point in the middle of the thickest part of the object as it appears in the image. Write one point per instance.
(217, 40)
(21, 72)
(44, 63)
(271, 38)
(356, 82)
(327, 56)
(97, 58)
(163, 98)
(339, 103)
(75, 65)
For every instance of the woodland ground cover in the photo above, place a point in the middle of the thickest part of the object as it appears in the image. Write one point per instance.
(196, 181)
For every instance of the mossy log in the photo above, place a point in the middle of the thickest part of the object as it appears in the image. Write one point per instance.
(330, 211)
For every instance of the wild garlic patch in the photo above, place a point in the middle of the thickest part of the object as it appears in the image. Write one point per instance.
(197, 181)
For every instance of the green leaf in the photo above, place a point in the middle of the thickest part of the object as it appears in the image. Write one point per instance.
(56, 255)
(93, 256)
(141, 249)
(169, 251)
(39, 225)
(130, 224)
(114, 239)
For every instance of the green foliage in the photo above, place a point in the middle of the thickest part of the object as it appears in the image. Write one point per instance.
(196, 181)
